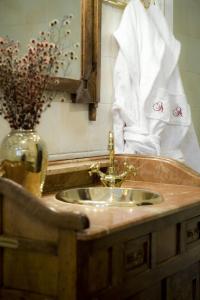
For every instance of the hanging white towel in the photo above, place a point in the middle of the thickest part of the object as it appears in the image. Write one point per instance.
(150, 110)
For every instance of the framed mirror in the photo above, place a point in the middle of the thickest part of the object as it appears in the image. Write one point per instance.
(23, 19)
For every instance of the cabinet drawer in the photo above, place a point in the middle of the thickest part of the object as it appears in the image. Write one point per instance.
(192, 231)
(136, 255)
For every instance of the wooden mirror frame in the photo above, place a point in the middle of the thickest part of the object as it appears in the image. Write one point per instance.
(87, 88)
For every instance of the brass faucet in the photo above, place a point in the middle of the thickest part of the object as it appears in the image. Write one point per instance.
(111, 179)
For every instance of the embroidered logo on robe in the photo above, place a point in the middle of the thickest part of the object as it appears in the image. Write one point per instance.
(177, 112)
(158, 106)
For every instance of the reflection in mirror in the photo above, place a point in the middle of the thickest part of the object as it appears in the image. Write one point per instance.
(23, 20)
(159, 121)
(20, 17)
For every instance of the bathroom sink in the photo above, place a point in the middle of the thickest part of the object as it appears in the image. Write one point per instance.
(106, 196)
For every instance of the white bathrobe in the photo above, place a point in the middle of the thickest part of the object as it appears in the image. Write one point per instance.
(150, 110)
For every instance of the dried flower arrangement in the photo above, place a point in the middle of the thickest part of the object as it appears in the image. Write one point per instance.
(24, 79)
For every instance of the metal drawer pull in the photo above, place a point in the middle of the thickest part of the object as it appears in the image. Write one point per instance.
(194, 234)
(7, 242)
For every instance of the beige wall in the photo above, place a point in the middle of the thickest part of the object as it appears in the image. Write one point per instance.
(187, 30)
(65, 126)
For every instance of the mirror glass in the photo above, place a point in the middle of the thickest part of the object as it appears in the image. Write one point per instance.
(24, 20)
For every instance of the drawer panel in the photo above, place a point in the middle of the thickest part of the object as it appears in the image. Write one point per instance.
(136, 255)
(192, 231)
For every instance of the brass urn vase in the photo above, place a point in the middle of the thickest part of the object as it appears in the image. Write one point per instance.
(24, 159)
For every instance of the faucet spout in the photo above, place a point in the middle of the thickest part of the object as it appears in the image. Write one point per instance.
(111, 150)
(111, 178)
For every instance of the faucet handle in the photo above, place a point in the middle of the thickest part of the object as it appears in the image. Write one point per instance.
(95, 168)
(2, 171)
(130, 168)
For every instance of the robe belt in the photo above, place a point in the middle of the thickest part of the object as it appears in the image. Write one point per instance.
(142, 140)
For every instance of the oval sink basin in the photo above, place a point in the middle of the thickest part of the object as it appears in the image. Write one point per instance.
(105, 196)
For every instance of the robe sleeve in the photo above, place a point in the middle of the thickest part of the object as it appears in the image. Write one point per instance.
(124, 102)
(118, 128)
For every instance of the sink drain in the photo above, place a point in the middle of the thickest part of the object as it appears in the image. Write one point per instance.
(144, 203)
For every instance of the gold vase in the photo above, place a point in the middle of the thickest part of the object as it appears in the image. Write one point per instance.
(24, 159)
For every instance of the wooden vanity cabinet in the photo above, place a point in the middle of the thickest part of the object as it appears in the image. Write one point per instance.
(38, 247)
(156, 260)
(47, 253)
(184, 285)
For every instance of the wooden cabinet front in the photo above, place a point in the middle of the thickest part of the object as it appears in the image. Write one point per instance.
(184, 285)
(154, 261)
(153, 293)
